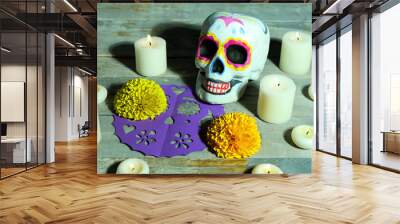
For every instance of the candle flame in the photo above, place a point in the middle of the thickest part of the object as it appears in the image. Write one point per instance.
(149, 39)
(297, 35)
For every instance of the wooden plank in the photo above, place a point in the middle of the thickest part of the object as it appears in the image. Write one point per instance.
(119, 25)
(70, 191)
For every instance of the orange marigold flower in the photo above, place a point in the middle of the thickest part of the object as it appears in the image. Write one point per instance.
(234, 136)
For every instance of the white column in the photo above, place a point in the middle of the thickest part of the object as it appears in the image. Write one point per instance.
(50, 93)
(360, 90)
(50, 100)
(314, 90)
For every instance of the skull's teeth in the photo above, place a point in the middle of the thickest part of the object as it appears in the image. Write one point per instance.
(217, 87)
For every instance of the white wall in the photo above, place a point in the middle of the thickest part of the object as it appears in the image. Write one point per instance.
(12, 73)
(15, 73)
(79, 117)
(33, 127)
(62, 82)
(70, 83)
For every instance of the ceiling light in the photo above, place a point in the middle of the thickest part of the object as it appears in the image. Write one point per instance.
(328, 10)
(84, 71)
(65, 41)
(79, 51)
(337, 7)
(70, 5)
(5, 50)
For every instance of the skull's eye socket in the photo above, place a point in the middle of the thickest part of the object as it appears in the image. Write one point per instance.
(208, 48)
(236, 54)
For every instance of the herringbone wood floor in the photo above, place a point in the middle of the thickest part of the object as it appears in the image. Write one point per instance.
(70, 191)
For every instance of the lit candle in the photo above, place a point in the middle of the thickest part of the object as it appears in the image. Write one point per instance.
(276, 98)
(133, 166)
(151, 56)
(101, 97)
(302, 136)
(266, 168)
(296, 51)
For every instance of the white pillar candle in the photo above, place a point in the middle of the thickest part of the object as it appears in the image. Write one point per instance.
(276, 98)
(101, 97)
(302, 136)
(151, 56)
(296, 51)
(133, 166)
(266, 168)
(310, 92)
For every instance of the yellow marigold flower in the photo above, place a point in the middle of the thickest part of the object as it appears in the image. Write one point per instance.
(140, 99)
(234, 136)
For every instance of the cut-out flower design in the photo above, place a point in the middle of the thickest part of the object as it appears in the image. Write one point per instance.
(182, 140)
(188, 108)
(146, 137)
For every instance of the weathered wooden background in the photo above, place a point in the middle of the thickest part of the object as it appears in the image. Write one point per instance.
(119, 25)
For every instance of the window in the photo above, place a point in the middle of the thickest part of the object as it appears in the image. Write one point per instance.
(22, 66)
(334, 138)
(346, 93)
(385, 89)
(327, 96)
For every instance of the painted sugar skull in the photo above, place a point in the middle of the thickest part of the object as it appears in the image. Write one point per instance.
(232, 50)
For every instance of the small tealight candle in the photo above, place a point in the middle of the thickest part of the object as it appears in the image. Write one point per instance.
(296, 53)
(276, 99)
(311, 92)
(101, 97)
(302, 136)
(266, 168)
(101, 94)
(151, 56)
(133, 166)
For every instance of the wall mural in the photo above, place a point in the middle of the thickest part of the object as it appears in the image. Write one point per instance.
(204, 88)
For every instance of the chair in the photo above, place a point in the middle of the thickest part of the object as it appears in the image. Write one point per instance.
(84, 129)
